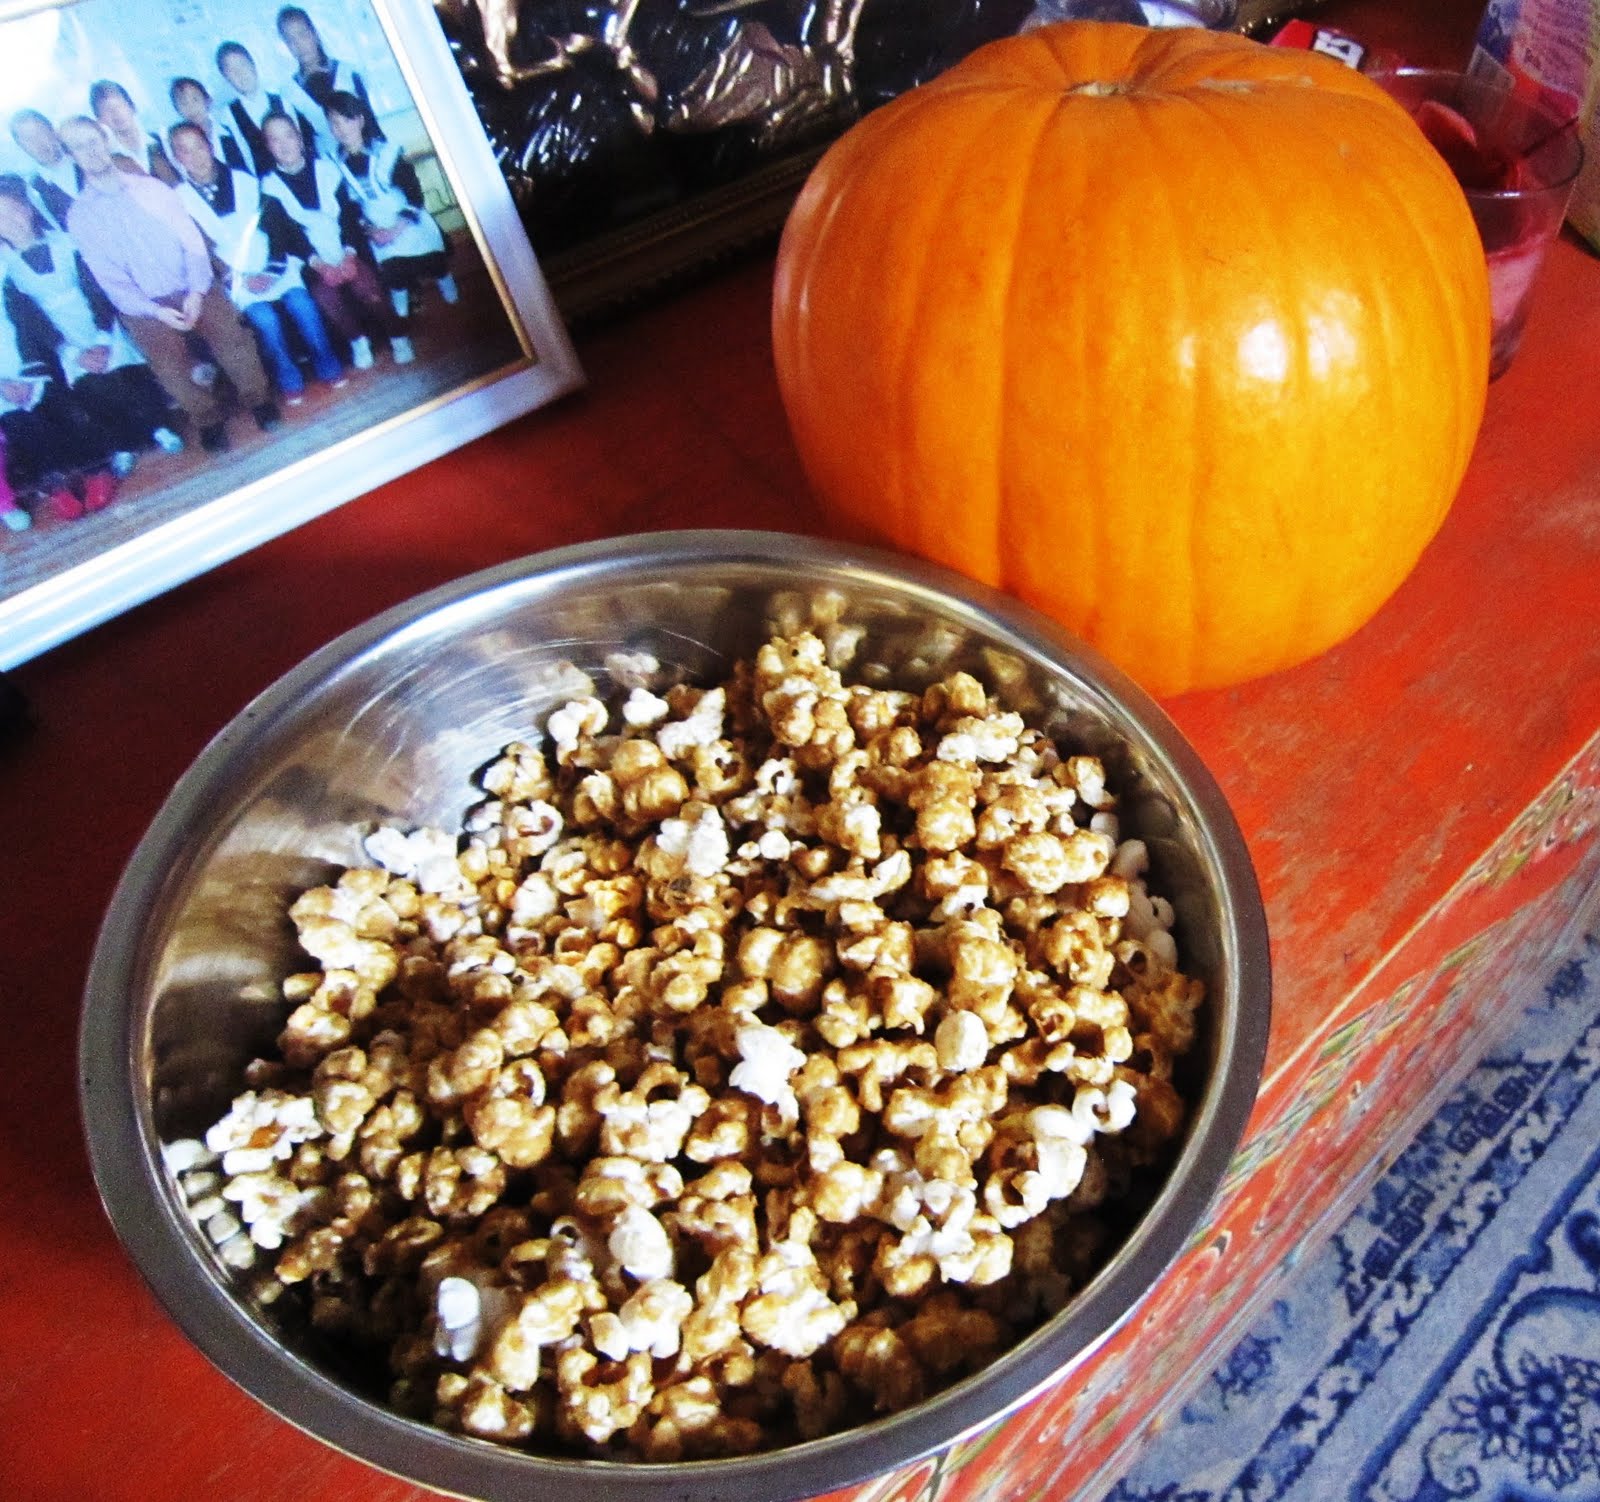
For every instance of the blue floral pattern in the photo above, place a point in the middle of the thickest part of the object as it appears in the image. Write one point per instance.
(1248, 1368)
(1445, 1344)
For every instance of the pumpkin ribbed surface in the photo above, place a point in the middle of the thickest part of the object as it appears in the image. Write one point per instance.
(1180, 338)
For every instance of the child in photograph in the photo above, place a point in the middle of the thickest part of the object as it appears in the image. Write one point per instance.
(109, 377)
(53, 180)
(317, 76)
(113, 107)
(345, 286)
(51, 448)
(252, 102)
(264, 251)
(192, 100)
(409, 247)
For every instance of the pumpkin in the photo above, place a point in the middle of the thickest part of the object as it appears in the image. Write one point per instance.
(1181, 338)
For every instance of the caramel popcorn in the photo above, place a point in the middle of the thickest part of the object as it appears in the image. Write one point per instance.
(758, 1056)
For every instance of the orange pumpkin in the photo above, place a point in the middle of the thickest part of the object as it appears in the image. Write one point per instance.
(1181, 338)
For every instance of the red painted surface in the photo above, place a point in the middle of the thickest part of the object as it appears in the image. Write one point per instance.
(1371, 785)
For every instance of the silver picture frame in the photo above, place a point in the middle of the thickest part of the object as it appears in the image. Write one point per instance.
(59, 578)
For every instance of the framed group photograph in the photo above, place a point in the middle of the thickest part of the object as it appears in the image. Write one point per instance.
(255, 259)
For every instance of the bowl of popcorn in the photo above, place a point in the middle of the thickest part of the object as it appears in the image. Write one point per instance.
(710, 1013)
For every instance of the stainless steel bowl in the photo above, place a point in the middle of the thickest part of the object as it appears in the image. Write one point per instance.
(388, 724)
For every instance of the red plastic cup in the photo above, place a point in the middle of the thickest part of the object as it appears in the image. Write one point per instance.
(1516, 160)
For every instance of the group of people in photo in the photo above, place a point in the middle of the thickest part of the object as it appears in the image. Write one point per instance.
(159, 281)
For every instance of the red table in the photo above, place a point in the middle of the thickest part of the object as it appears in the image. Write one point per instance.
(1421, 803)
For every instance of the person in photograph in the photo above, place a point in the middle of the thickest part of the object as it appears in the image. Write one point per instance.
(315, 195)
(252, 102)
(113, 106)
(51, 448)
(264, 252)
(317, 77)
(53, 180)
(192, 100)
(108, 376)
(152, 261)
(406, 241)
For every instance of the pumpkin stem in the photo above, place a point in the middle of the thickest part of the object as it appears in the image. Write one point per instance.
(1099, 88)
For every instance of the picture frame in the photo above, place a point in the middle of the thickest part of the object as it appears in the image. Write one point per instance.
(432, 347)
(645, 140)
